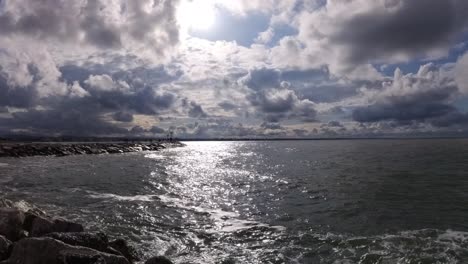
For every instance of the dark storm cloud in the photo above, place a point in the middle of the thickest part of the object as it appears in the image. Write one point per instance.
(97, 31)
(227, 106)
(274, 98)
(419, 106)
(123, 116)
(137, 130)
(272, 126)
(63, 121)
(196, 111)
(15, 96)
(413, 28)
(157, 130)
(262, 78)
(273, 101)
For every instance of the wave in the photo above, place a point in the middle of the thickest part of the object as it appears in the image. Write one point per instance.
(142, 198)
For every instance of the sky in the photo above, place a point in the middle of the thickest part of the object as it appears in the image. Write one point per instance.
(234, 69)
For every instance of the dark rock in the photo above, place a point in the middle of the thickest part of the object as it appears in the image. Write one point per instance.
(158, 260)
(126, 250)
(5, 248)
(97, 241)
(40, 226)
(47, 250)
(63, 225)
(80, 257)
(5, 203)
(11, 223)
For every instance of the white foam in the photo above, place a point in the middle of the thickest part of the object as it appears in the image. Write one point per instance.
(224, 221)
(154, 156)
(143, 198)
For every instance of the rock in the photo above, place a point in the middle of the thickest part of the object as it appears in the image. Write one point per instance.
(5, 248)
(27, 207)
(97, 241)
(11, 223)
(126, 250)
(5, 203)
(40, 226)
(47, 250)
(158, 260)
(80, 257)
(63, 225)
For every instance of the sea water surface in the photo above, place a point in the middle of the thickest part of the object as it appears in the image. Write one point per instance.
(333, 201)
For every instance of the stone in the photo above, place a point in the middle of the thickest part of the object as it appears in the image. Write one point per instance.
(40, 226)
(11, 223)
(47, 250)
(158, 260)
(5, 203)
(63, 225)
(126, 250)
(80, 257)
(97, 241)
(5, 248)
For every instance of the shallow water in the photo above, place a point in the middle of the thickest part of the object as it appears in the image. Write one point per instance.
(344, 201)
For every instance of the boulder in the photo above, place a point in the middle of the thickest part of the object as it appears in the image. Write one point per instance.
(5, 203)
(80, 257)
(158, 260)
(47, 250)
(41, 226)
(97, 241)
(5, 248)
(63, 225)
(11, 223)
(125, 249)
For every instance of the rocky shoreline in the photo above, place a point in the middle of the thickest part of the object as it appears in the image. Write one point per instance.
(29, 236)
(66, 149)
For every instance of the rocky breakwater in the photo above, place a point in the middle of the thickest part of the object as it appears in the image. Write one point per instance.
(29, 236)
(65, 149)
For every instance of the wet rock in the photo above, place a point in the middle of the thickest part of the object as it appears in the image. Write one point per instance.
(39, 226)
(47, 250)
(370, 258)
(126, 250)
(158, 260)
(5, 203)
(5, 248)
(97, 241)
(63, 225)
(80, 257)
(11, 223)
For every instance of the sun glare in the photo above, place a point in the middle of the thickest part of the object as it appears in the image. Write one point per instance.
(197, 15)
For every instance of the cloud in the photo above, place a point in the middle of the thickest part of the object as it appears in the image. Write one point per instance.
(123, 117)
(142, 27)
(424, 96)
(348, 36)
(273, 98)
(399, 29)
(461, 70)
(157, 130)
(196, 111)
(61, 121)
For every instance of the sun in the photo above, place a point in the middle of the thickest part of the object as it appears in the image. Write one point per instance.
(196, 15)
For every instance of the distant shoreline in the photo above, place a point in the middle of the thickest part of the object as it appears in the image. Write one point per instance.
(146, 141)
(29, 149)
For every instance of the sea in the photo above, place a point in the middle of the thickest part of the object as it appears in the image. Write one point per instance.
(226, 202)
